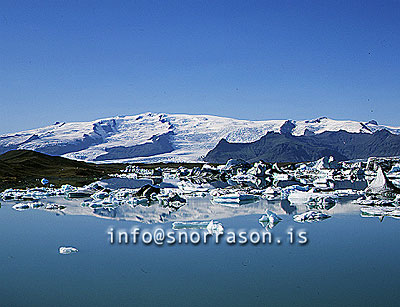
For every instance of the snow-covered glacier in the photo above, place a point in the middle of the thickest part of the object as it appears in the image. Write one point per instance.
(161, 137)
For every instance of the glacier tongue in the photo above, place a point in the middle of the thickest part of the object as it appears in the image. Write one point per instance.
(187, 137)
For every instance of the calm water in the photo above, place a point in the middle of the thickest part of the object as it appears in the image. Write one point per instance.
(349, 260)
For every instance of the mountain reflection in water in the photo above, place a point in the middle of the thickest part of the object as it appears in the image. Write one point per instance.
(197, 208)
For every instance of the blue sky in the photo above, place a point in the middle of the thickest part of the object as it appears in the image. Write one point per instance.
(83, 60)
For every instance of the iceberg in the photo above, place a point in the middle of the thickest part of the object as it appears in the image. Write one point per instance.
(171, 200)
(249, 180)
(189, 225)
(213, 227)
(189, 187)
(381, 186)
(272, 193)
(234, 198)
(322, 203)
(269, 220)
(325, 163)
(99, 195)
(67, 188)
(80, 193)
(380, 212)
(36, 205)
(292, 189)
(95, 205)
(373, 202)
(140, 201)
(324, 183)
(54, 207)
(21, 207)
(310, 216)
(297, 197)
(66, 250)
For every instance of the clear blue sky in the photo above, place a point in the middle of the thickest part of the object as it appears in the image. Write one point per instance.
(83, 60)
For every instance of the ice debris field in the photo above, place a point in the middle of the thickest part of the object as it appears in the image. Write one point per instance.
(308, 192)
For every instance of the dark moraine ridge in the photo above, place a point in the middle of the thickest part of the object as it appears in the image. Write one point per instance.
(277, 147)
(21, 168)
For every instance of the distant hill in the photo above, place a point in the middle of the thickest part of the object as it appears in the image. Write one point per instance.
(284, 147)
(21, 168)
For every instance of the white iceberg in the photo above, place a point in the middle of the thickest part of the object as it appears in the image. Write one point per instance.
(373, 202)
(189, 225)
(21, 207)
(269, 220)
(322, 202)
(293, 189)
(382, 186)
(310, 216)
(212, 226)
(380, 212)
(66, 250)
(52, 206)
(36, 205)
(215, 228)
(234, 198)
(300, 196)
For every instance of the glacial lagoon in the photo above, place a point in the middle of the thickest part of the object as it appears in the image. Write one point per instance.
(348, 259)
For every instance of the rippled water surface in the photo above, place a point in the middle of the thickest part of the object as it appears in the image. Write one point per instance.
(349, 259)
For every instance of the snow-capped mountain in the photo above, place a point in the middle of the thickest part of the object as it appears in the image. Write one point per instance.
(154, 137)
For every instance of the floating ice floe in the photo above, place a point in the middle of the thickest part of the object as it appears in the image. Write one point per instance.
(80, 193)
(144, 196)
(135, 201)
(298, 196)
(21, 207)
(67, 188)
(132, 196)
(100, 195)
(348, 193)
(269, 220)
(322, 203)
(213, 227)
(293, 189)
(28, 194)
(96, 205)
(188, 187)
(28, 205)
(234, 198)
(272, 193)
(66, 250)
(310, 216)
(171, 200)
(373, 202)
(381, 212)
(324, 183)
(394, 173)
(381, 186)
(54, 207)
(189, 225)
(244, 179)
(36, 205)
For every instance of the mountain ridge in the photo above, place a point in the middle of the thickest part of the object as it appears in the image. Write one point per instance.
(276, 147)
(162, 137)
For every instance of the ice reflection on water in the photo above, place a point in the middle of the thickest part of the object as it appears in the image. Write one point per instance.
(196, 209)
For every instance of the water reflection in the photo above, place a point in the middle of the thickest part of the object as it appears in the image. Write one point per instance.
(287, 207)
(196, 209)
